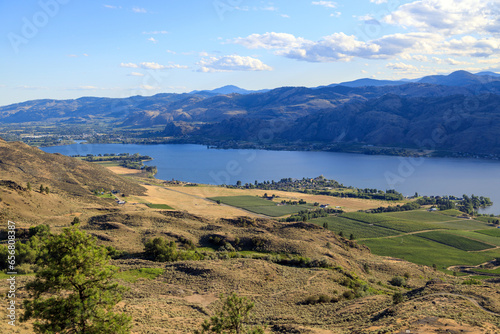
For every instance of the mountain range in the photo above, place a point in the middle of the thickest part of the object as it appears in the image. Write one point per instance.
(461, 108)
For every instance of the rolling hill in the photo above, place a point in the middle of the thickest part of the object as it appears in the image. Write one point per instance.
(302, 278)
(362, 112)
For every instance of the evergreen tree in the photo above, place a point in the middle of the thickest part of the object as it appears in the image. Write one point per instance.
(231, 318)
(73, 291)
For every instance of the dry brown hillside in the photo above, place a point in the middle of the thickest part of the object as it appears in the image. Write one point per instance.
(21, 163)
(302, 278)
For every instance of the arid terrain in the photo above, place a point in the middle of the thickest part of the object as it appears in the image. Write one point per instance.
(303, 278)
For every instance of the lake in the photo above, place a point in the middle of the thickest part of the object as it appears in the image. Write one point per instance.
(427, 176)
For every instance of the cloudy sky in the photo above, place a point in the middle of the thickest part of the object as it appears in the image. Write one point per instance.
(72, 48)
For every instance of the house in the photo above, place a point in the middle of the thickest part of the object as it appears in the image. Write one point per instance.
(324, 206)
(121, 202)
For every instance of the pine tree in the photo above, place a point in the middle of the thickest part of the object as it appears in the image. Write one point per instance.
(73, 291)
(231, 318)
(28, 186)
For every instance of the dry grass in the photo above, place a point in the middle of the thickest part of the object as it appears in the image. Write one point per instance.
(347, 204)
(177, 198)
(188, 291)
(123, 170)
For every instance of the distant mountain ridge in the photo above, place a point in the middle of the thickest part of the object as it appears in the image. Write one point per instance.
(229, 89)
(338, 112)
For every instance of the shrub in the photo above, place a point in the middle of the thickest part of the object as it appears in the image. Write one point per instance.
(397, 298)
(231, 318)
(398, 281)
(161, 250)
(472, 281)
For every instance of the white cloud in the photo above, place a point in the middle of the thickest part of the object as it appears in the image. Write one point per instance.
(471, 46)
(152, 66)
(135, 74)
(172, 52)
(85, 55)
(112, 7)
(232, 63)
(452, 61)
(402, 67)
(449, 17)
(367, 17)
(336, 14)
(327, 4)
(156, 66)
(378, 2)
(269, 8)
(495, 60)
(285, 16)
(139, 10)
(88, 88)
(152, 39)
(72, 56)
(342, 47)
(148, 87)
(129, 65)
(270, 40)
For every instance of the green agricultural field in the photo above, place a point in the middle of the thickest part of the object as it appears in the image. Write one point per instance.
(418, 216)
(451, 212)
(383, 220)
(488, 271)
(358, 229)
(243, 201)
(159, 206)
(486, 219)
(477, 235)
(427, 252)
(494, 232)
(462, 224)
(370, 218)
(456, 241)
(277, 211)
(261, 206)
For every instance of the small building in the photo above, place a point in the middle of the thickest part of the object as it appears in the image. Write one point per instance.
(121, 202)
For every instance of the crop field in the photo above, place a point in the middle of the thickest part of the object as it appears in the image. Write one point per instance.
(243, 201)
(489, 271)
(456, 241)
(427, 252)
(462, 224)
(419, 216)
(349, 226)
(390, 222)
(451, 212)
(486, 219)
(476, 235)
(261, 206)
(492, 232)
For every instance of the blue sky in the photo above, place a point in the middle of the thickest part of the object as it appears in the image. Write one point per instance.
(71, 48)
